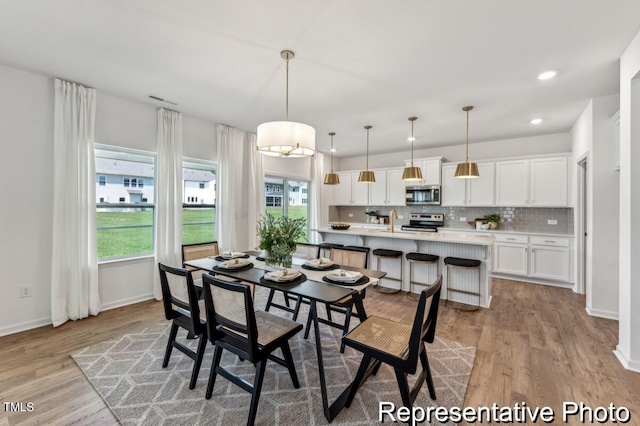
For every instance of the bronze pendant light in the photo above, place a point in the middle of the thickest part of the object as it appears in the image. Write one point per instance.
(412, 172)
(331, 178)
(467, 170)
(367, 176)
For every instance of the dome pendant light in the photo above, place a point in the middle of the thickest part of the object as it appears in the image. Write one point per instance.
(367, 176)
(467, 170)
(286, 138)
(412, 172)
(331, 178)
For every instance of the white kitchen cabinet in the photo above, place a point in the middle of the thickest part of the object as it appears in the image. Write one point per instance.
(481, 190)
(453, 192)
(396, 187)
(511, 254)
(512, 183)
(468, 192)
(349, 192)
(430, 171)
(548, 182)
(378, 189)
(549, 258)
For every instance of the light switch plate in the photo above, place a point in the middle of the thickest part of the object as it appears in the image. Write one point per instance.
(400, 216)
(350, 214)
(463, 219)
(552, 222)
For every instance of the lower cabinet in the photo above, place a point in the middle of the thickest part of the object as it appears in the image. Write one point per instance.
(546, 258)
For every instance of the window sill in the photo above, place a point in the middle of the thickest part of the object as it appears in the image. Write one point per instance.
(126, 260)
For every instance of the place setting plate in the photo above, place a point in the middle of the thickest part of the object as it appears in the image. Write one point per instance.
(237, 264)
(229, 255)
(345, 278)
(320, 265)
(284, 276)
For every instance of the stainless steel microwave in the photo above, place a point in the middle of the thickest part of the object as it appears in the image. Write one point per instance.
(423, 195)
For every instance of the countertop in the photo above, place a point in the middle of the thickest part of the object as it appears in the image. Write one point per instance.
(444, 237)
(468, 230)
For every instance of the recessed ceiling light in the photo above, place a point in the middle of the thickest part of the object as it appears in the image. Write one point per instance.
(536, 121)
(547, 75)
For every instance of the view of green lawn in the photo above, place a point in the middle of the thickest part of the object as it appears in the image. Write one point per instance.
(131, 232)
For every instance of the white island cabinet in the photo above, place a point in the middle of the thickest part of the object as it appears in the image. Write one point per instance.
(477, 247)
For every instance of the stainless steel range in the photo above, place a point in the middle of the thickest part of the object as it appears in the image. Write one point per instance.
(424, 222)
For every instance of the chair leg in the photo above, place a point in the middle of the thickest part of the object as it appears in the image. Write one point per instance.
(401, 377)
(347, 321)
(172, 339)
(255, 394)
(286, 353)
(286, 299)
(328, 307)
(425, 366)
(202, 345)
(217, 354)
(269, 300)
(355, 385)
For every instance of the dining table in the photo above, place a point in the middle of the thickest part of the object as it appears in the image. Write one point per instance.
(314, 289)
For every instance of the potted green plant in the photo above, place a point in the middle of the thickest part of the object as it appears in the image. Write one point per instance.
(492, 220)
(373, 215)
(278, 238)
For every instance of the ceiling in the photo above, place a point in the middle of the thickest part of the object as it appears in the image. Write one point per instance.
(356, 62)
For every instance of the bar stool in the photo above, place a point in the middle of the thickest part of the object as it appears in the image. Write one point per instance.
(324, 247)
(429, 259)
(388, 255)
(457, 262)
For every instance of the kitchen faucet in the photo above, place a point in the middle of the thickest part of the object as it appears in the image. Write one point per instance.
(391, 215)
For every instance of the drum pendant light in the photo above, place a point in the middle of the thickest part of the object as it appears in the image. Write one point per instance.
(331, 178)
(467, 170)
(367, 176)
(412, 172)
(286, 138)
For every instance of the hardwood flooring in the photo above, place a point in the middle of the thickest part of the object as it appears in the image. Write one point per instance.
(536, 345)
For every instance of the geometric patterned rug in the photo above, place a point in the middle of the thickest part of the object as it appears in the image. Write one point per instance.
(127, 373)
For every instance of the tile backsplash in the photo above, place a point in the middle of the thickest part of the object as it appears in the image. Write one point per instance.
(521, 219)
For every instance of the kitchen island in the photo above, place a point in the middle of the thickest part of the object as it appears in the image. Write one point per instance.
(466, 246)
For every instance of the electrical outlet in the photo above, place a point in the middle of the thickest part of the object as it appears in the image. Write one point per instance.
(400, 216)
(552, 222)
(350, 214)
(463, 219)
(26, 291)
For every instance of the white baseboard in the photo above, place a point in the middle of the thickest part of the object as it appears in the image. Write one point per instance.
(626, 363)
(530, 280)
(128, 301)
(601, 313)
(17, 328)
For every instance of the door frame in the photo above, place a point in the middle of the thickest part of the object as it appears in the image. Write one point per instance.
(583, 275)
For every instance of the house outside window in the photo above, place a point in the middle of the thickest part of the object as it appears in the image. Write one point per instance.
(293, 205)
(102, 180)
(199, 201)
(124, 209)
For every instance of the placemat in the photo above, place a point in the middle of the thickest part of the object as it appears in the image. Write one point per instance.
(298, 280)
(242, 268)
(361, 281)
(311, 268)
(223, 259)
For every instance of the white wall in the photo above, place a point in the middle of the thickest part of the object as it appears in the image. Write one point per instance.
(533, 145)
(628, 349)
(26, 123)
(593, 135)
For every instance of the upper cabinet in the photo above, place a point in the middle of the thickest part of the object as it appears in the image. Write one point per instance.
(430, 168)
(548, 182)
(512, 183)
(387, 190)
(468, 192)
(539, 182)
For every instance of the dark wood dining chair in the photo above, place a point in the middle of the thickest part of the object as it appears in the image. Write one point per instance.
(181, 305)
(198, 251)
(354, 256)
(233, 325)
(399, 345)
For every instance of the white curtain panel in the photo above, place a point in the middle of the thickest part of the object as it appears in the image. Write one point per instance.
(256, 202)
(239, 167)
(74, 269)
(315, 209)
(168, 236)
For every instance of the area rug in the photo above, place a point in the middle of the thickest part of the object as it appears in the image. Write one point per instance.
(127, 373)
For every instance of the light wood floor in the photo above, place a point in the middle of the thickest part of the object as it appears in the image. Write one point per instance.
(535, 345)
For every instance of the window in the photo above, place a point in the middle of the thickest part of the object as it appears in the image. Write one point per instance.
(199, 201)
(102, 180)
(140, 183)
(295, 206)
(125, 228)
